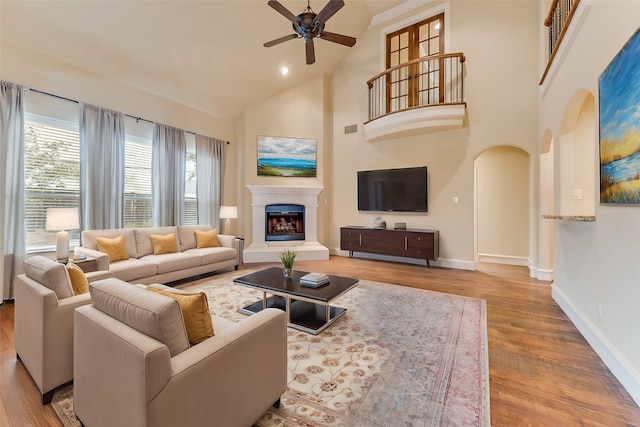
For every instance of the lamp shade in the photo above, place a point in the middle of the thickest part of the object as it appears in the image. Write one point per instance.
(62, 219)
(228, 212)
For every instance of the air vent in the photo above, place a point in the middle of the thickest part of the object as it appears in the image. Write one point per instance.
(351, 129)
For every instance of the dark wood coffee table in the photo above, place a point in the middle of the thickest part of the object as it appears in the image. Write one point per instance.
(308, 309)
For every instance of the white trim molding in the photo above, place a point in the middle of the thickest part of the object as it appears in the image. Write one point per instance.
(617, 364)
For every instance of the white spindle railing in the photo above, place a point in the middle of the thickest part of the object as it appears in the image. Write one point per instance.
(426, 81)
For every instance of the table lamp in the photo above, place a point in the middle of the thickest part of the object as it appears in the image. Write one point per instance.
(227, 212)
(62, 220)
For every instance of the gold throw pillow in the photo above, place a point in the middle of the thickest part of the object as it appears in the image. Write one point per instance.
(164, 244)
(79, 281)
(113, 247)
(195, 311)
(207, 239)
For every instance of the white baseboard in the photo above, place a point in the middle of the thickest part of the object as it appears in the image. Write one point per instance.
(440, 262)
(504, 259)
(545, 275)
(617, 364)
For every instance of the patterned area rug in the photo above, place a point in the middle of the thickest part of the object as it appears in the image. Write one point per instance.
(399, 357)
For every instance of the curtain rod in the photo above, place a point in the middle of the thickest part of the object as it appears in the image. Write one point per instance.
(77, 102)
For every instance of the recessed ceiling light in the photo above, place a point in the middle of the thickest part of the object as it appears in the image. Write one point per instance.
(284, 71)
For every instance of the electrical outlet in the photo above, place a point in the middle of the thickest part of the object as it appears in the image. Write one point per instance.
(455, 200)
(600, 310)
(577, 194)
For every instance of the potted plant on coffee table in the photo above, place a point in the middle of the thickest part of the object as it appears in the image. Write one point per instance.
(287, 257)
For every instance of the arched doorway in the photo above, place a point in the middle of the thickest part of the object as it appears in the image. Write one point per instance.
(502, 206)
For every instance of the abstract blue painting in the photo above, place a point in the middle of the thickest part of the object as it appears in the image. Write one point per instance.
(281, 156)
(619, 87)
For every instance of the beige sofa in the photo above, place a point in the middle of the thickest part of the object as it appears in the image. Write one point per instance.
(145, 267)
(43, 325)
(134, 366)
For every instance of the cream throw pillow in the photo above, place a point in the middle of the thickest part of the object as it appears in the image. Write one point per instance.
(164, 244)
(207, 239)
(195, 312)
(79, 281)
(113, 247)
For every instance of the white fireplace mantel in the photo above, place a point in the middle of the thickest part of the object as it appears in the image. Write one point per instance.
(262, 195)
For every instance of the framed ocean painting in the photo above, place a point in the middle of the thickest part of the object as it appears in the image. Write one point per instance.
(619, 107)
(281, 156)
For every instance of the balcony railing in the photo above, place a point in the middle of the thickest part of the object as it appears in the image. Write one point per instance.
(558, 21)
(423, 82)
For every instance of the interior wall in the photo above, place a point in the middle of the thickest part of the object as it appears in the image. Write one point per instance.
(584, 141)
(501, 92)
(297, 113)
(502, 192)
(545, 254)
(595, 264)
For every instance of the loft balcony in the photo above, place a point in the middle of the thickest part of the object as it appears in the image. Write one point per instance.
(563, 21)
(422, 95)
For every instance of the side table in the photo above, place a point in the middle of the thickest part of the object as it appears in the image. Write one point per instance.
(87, 264)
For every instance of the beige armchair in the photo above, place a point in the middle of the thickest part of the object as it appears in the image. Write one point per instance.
(43, 326)
(134, 365)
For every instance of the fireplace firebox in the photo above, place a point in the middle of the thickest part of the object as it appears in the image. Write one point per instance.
(284, 222)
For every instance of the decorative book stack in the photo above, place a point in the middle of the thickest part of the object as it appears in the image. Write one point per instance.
(314, 280)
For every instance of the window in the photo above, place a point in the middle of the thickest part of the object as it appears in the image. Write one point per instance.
(137, 182)
(417, 83)
(52, 169)
(52, 176)
(190, 197)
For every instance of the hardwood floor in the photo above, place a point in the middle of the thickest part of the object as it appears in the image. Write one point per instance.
(542, 371)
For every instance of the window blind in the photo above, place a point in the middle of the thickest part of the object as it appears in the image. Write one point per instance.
(52, 177)
(190, 198)
(137, 182)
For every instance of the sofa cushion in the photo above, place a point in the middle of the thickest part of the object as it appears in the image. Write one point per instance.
(89, 239)
(164, 244)
(115, 248)
(207, 239)
(186, 234)
(132, 269)
(166, 263)
(143, 238)
(49, 273)
(213, 255)
(152, 314)
(79, 281)
(195, 311)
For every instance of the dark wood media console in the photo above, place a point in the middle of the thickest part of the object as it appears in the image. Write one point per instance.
(410, 243)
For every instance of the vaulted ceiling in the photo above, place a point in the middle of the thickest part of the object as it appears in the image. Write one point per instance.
(208, 55)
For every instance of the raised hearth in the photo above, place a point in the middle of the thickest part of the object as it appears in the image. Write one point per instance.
(308, 247)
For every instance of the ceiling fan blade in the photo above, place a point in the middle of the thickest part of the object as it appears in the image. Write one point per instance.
(329, 10)
(283, 11)
(311, 53)
(338, 38)
(281, 40)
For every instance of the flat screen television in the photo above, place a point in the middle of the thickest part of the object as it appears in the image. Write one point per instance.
(393, 190)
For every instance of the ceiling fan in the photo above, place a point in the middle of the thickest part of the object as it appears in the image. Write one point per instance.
(309, 25)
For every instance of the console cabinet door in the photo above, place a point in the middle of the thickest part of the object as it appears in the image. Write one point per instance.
(379, 242)
(350, 239)
(419, 245)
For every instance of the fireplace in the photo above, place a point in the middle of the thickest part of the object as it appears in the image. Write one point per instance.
(284, 222)
(261, 248)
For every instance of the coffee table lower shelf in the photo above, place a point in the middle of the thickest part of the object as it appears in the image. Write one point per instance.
(305, 316)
